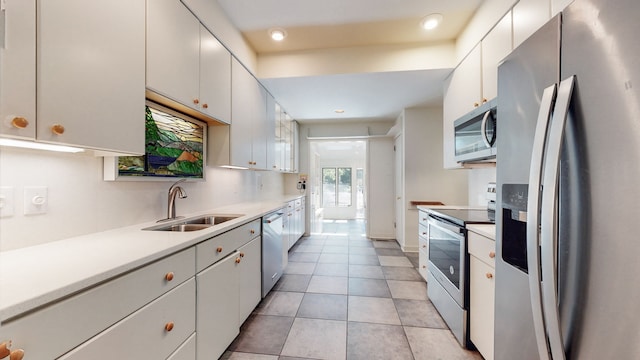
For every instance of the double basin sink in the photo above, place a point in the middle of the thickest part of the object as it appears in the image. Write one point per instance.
(195, 224)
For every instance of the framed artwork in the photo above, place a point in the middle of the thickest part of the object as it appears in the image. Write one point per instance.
(175, 147)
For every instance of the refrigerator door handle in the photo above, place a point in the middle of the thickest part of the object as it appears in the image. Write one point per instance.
(549, 224)
(533, 219)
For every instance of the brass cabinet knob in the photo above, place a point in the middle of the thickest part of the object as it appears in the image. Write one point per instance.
(475, 105)
(17, 354)
(424, 266)
(252, 231)
(489, 275)
(424, 233)
(168, 326)
(424, 246)
(205, 106)
(492, 254)
(169, 276)
(19, 122)
(219, 249)
(238, 260)
(57, 129)
(196, 101)
(4, 349)
(241, 254)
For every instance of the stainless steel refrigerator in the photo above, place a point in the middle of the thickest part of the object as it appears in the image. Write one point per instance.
(568, 174)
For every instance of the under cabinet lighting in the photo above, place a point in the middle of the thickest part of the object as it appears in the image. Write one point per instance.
(234, 167)
(39, 146)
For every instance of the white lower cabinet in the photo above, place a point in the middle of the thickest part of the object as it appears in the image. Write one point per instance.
(481, 293)
(423, 244)
(153, 332)
(250, 277)
(186, 351)
(217, 311)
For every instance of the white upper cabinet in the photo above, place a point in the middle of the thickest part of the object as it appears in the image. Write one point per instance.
(244, 95)
(215, 77)
(462, 92)
(273, 131)
(495, 46)
(18, 70)
(559, 5)
(260, 128)
(529, 16)
(86, 82)
(173, 52)
(90, 74)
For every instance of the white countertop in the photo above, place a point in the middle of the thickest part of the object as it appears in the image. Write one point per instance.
(34, 276)
(486, 230)
(450, 207)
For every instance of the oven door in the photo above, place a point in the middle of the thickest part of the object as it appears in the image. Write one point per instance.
(447, 257)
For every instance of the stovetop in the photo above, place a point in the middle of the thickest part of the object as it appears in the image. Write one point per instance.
(465, 216)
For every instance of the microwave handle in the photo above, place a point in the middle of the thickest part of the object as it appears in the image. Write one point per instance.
(483, 128)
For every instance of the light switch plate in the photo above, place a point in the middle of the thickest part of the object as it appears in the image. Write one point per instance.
(6, 201)
(35, 200)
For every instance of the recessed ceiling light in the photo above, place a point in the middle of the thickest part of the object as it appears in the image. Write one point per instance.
(431, 21)
(277, 34)
(338, 111)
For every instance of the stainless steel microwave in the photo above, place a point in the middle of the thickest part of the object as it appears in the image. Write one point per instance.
(475, 134)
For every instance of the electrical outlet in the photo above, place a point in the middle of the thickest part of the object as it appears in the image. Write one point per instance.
(35, 200)
(6, 201)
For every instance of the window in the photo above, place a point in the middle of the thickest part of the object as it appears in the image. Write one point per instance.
(336, 187)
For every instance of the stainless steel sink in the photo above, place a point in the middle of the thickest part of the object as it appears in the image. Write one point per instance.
(195, 224)
(212, 219)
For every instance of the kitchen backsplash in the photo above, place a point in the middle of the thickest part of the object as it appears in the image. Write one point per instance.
(80, 202)
(478, 180)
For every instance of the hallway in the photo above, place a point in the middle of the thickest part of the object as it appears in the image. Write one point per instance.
(343, 296)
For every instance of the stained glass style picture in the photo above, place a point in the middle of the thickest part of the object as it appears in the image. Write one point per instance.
(174, 148)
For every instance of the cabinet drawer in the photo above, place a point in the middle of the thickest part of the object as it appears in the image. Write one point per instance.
(423, 231)
(423, 259)
(423, 218)
(152, 332)
(483, 248)
(218, 247)
(423, 244)
(186, 351)
(39, 333)
(481, 307)
(298, 202)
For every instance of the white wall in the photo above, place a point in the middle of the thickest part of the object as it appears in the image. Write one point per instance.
(380, 189)
(80, 202)
(478, 180)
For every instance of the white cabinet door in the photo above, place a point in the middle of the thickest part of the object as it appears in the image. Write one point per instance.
(217, 307)
(18, 70)
(91, 73)
(481, 308)
(173, 52)
(528, 16)
(462, 91)
(272, 131)
(559, 5)
(260, 128)
(215, 77)
(278, 140)
(495, 46)
(243, 90)
(250, 277)
(186, 351)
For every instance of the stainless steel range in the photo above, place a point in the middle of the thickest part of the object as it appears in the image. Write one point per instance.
(448, 273)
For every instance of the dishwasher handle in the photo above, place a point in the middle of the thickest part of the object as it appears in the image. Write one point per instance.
(273, 217)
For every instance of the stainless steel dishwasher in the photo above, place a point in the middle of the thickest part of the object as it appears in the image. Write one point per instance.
(271, 250)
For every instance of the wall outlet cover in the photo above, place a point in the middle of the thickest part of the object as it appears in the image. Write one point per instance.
(35, 200)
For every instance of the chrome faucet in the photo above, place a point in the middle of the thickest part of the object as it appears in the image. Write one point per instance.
(173, 191)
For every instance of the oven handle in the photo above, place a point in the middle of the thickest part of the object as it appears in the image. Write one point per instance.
(533, 219)
(445, 225)
(549, 216)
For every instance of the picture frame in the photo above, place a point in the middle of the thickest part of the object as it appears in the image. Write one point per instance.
(175, 148)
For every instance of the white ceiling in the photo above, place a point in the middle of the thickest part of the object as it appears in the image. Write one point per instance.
(351, 23)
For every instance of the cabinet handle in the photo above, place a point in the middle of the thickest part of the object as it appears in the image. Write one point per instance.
(424, 266)
(252, 231)
(489, 275)
(475, 104)
(196, 101)
(424, 233)
(424, 246)
(168, 326)
(4, 349)
(205, 106)
(238, 260)
(219, 249)
(484, 100)
(241, 254)
(492, 254)
(169, 276)
(19, 122)
(57, 129)
(17, 354)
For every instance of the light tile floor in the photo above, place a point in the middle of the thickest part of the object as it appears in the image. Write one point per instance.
(344, 296)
